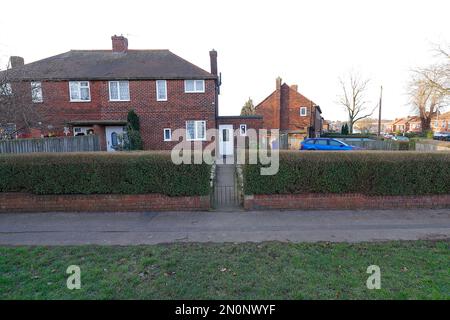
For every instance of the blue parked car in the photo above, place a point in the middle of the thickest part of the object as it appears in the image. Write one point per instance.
(325, 144)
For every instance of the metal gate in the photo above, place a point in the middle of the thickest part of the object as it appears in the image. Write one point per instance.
(225, 193)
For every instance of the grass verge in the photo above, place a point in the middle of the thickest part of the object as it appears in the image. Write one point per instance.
(272, 270)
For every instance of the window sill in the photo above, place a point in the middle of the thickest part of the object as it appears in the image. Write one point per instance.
(194, 91)
(80, 100)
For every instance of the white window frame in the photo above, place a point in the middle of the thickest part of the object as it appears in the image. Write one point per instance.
(81, 130)
(240, 129)
(195, 86)
(79, 91)
(305, 109)
(36, 86)
(195, 131)
(118, 90)
(6, 89)
(157, 93)
(170, 134)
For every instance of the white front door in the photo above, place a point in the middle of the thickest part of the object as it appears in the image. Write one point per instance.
(226, 139)
(114, 138)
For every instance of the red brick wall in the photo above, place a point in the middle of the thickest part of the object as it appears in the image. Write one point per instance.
(154, 115)
(343, 201)
(281, 110)
(269, 110)
(25, 202)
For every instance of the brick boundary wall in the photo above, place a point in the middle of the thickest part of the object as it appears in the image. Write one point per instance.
(26, 202)
(343, 201)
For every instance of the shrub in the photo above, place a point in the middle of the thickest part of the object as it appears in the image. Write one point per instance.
(103, 173)
(134, 140)
(366, 172)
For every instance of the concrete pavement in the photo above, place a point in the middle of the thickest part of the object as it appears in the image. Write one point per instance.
(240, 226)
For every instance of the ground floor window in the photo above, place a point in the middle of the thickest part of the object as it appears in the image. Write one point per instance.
(196, 130)
(243, 129)
(82, 131)
(167, 134)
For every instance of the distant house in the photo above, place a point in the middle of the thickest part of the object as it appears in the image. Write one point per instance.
(413, 124)
(405, 125)
(292, 113)
(441, 122)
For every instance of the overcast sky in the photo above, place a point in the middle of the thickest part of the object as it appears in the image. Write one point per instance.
(309, 43)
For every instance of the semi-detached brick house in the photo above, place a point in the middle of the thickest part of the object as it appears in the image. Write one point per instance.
(292, 113)
(91, 91)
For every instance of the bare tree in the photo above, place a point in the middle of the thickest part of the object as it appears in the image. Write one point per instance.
(425, 97)
(438, 75)
(353, 99)
(16, 104)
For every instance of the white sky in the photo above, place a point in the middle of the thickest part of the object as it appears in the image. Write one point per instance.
(309, 43)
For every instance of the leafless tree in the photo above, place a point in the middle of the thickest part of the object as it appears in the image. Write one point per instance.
(17, 109)
(353, 99)
(425, 97)
(438, 75)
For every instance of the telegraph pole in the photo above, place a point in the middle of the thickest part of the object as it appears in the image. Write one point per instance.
(379, 111)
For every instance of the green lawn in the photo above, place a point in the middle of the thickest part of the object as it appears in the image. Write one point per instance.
(272, 270)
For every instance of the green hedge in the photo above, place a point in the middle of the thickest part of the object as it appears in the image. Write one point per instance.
(367, 172)
(89, 173)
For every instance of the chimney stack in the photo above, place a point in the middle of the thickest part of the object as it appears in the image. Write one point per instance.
(278, 83)
(119, 44)
(213, 60)
(294, 87)
(16, 61)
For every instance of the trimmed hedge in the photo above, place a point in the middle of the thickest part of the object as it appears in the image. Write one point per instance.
(366, 172)
(102, 173)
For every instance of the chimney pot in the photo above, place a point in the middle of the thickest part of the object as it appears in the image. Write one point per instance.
(213, 61)
(278, 83)
(16, 61)
(119, 43)
(294, 87)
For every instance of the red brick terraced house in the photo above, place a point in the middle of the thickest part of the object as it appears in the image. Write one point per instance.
(292, 113)
(91, 91)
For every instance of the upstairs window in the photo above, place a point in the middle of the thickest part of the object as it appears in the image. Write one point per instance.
(119, 91)
(36, 91)
(192, 86)
(161, 90)
(79, 91)
(303, 111)
(195, 130)
(5, 89)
